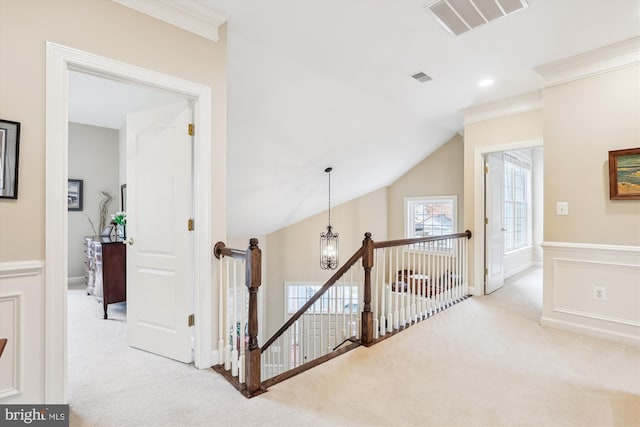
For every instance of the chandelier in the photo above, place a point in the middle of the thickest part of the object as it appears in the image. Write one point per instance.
(329, 239)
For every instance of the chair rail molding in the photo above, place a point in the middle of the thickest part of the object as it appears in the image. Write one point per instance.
(21, 268)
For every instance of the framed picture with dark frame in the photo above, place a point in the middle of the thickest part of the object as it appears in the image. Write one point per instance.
(123, 197)
(74, 195)
(624, 174)
(9, 150)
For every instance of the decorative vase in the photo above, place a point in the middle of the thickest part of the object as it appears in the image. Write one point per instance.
(120, 232)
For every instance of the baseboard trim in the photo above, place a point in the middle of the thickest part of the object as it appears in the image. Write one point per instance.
(518, 270)
(590, 331)
(75, 282)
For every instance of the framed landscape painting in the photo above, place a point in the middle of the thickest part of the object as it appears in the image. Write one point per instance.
(624, 174)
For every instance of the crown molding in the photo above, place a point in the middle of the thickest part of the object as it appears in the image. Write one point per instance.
(607, 58)
(191, 16)
(530, 101)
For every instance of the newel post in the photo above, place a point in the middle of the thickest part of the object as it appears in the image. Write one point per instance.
(367, 314)
(253, 280)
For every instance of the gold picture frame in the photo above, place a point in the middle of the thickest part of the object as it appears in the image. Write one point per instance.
(624, 174)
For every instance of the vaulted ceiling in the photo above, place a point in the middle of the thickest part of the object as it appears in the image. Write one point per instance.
(327, 83)
(317, 83)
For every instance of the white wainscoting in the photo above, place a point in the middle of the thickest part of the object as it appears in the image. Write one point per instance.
(22, 322)
(593, 290)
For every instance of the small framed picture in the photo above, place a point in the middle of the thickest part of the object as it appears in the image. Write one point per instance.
(9, 149)
(74, 195)
(624, 174)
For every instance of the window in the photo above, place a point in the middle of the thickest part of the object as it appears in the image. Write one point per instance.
(338, 299)
(431, 216)
(517, 205)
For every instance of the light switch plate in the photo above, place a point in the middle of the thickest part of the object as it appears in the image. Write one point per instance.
(562, 208)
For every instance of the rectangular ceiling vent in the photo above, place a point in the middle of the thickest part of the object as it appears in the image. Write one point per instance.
(460, 16)
(421, 77)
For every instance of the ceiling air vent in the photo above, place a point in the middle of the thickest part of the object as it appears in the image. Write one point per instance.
(460, 16)
(421, 77)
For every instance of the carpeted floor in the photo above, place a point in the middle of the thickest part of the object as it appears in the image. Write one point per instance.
(484, 362)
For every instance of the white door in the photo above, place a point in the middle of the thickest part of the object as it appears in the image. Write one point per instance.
(160, 247)
(494, 234)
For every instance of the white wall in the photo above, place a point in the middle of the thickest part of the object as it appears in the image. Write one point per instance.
(93, 157)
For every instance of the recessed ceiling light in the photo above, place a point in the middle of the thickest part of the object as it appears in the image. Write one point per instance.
(485, 82)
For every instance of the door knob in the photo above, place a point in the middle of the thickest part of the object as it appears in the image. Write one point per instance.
(128, 241)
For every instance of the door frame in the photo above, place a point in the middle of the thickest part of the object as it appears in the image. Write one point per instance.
(60, 60)
(478, 205)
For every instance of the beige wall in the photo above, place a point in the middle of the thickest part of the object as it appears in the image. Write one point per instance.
(439, 174)
(481, 135)
(107, 29)
(583, 120)
(593, 250)
(294, 250)
(93, 158)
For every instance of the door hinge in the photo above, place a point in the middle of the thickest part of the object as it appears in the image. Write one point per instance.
(190, 225)
(486, 271)
(192, 320)
(486, 221)
(190, 129)
(486, 169)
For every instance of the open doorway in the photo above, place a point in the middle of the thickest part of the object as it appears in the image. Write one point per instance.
(513, 215)
(61, 62)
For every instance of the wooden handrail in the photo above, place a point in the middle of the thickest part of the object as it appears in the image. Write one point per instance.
(402, 242)
(345, 267)
(252, 257)
(220, 250)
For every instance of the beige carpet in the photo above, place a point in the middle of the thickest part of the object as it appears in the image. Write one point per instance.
(484, 362)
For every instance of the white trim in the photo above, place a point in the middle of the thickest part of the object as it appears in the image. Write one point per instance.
(596, 247)
(191, 16)
(576, 328)
(526, 102)
(478, 204)
(20, 268)
(61, 59)
(584, 261)
(430, 199)
(517, 270)
(74, 281)
(597, 317)
(18, 348)
(598, 61)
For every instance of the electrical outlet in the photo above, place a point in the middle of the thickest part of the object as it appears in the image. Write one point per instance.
(599, 293)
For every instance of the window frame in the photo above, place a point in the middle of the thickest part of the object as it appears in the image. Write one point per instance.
(409, 202)
(525, 163)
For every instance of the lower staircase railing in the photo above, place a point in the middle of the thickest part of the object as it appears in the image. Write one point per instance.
(400, 282)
